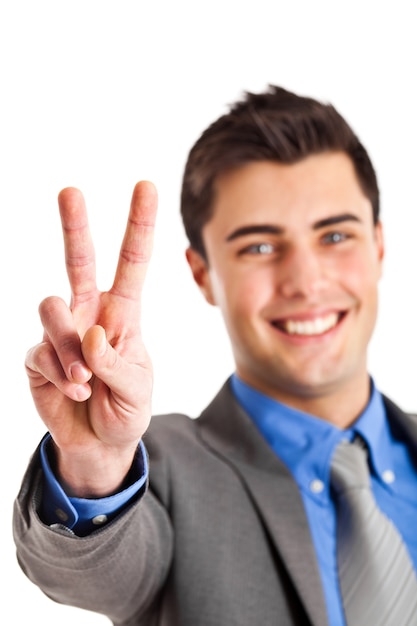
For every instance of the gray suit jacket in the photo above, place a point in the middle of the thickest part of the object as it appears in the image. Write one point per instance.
(220, 538)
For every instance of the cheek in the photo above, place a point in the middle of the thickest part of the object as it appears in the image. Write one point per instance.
(360, 276)
(243, 294)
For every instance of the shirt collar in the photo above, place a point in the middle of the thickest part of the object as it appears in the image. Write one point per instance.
(305, 443)
(373, 427)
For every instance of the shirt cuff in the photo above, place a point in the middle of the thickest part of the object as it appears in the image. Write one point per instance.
(84, 515)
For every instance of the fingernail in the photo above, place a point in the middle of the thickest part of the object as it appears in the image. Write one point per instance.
(82, 392)
(78, 372)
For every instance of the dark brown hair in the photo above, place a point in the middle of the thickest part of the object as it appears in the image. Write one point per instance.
(275, 125)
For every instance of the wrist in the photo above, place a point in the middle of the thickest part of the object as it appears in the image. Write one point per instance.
(97, 474)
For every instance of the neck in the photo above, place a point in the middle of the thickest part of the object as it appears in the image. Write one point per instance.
(339, 406)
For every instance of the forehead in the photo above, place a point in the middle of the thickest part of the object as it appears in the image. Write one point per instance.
(303, 193)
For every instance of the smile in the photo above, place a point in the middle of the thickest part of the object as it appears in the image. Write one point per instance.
(317, 326)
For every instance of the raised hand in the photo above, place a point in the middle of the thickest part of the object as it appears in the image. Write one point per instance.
(91, 377)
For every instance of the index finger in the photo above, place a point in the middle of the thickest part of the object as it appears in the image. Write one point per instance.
(136, 249)
(78, 244)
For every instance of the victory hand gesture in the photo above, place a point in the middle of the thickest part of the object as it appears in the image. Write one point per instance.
(91, 377)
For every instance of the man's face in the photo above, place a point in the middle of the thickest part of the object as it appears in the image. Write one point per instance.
(294, 261)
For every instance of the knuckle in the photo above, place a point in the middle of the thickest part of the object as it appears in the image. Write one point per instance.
(66, 345)
(42, 355)
(49, 306)
(136, 257)
(39, 358)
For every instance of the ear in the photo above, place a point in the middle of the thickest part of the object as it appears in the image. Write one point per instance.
(379, 239)
(201, 274)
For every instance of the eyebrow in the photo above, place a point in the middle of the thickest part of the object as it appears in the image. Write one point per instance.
(335, 219)
(254, 229)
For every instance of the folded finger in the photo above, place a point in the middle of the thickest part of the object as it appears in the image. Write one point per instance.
(43, 367)
(59, 329)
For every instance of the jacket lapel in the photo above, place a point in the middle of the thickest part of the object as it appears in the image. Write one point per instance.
(404, 424)
(225, 427)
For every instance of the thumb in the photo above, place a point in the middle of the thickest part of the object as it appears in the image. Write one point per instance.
(106, 363)
(94, 345)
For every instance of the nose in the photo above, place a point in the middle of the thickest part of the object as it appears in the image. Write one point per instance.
(301, 274)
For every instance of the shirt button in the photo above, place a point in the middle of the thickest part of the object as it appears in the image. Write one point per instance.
(388, 476)
(316, 486)
(99, 519)
(61, 515)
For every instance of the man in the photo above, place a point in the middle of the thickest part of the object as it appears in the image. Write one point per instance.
(236, 524)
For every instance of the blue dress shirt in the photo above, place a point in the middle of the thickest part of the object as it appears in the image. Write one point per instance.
(306, 444)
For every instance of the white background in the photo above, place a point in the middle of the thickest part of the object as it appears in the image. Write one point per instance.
(99, 94)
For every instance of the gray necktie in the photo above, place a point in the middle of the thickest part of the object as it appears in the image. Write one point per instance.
(377, 579)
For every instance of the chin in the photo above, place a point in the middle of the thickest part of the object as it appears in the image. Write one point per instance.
(307, 383)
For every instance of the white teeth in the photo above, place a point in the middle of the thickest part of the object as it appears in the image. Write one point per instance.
(317, 326)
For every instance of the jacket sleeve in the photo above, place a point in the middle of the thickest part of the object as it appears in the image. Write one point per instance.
(117, 570)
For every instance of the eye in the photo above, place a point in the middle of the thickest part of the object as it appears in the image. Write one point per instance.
(258, 248)
(334, 237)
